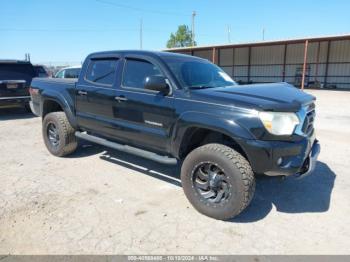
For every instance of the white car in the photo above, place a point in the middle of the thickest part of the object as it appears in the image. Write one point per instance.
(69, 72)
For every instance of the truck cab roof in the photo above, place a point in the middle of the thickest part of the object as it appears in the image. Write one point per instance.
(140, 52)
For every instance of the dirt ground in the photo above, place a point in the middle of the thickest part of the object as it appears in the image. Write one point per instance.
(101, 201)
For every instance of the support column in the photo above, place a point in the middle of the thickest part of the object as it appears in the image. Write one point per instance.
(214, 54)
(233, 62)
(304, 65)
(327, 64)
(249, 62)
(317, 60)
(284, 63)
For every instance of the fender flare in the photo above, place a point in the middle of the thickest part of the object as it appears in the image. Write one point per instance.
(212, 122)
(65, 104)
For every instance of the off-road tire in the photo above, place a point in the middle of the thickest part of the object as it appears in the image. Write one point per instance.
(67, 140)
(240, 178)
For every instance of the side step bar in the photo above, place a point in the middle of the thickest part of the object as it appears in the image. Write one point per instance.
(127, 149)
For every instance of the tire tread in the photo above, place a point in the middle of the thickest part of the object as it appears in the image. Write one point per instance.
(69, 138)
(242, 164)
(243, 171)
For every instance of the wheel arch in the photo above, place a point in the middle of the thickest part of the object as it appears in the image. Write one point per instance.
(195, 128)
(52, 104)
(196, 136)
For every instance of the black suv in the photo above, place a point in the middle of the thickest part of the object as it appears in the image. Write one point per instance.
(15, 79)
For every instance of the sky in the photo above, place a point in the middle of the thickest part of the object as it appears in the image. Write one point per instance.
(66, 31)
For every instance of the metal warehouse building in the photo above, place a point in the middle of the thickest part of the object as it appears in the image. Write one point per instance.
(322, 61)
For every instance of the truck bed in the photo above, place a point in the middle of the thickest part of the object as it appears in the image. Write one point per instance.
(53, 82)
(52, 87)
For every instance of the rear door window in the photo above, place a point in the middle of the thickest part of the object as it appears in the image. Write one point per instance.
(102, 71)
(136, 71)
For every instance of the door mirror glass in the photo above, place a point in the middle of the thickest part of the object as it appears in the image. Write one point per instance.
(157, 83)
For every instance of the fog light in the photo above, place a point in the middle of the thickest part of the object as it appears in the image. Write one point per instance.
(279, 161)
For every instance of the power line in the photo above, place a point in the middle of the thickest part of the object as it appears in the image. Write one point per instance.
(66, 30)
(82, 30)
(140, 9)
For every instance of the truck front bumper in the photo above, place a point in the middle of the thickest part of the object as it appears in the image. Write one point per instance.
(310, 162)
(279, 158)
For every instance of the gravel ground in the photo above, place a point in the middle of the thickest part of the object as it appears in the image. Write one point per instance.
(101, 201)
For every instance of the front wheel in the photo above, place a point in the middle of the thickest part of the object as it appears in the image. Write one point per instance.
(59, 135)
(218, 181)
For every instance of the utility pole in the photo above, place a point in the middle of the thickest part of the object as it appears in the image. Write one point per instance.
(229, 33)
(141, 33)
(263, 34)
(192, 31)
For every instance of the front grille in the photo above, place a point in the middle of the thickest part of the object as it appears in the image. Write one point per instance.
(308, 125)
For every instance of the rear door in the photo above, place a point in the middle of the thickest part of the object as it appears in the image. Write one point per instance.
(145, 116)
(95, 96)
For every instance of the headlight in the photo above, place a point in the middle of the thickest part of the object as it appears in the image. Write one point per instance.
(278, 123)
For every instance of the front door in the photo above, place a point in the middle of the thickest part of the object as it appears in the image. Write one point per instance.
(146, 116)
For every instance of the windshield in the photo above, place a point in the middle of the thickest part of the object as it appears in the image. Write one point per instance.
(195, 73)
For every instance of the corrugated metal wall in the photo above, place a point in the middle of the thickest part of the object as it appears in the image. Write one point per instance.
(339, 64)
(328, 62)
(206, 54)
(266, 64)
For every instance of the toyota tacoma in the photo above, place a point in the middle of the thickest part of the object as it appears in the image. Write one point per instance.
(173, 108)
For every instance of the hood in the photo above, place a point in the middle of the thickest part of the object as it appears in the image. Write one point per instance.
(280, 97)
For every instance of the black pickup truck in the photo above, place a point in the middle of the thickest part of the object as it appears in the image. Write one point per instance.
(15, 78)
(174, 108)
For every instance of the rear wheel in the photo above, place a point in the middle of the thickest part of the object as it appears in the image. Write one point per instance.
(59, 135)
(218, 181)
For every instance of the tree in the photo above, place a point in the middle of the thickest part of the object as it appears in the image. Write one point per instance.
(182, 38)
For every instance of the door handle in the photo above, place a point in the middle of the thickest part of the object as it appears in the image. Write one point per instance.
(82, 93)
(120, 98)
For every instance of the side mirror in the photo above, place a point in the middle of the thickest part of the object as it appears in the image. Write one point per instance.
(157, 83)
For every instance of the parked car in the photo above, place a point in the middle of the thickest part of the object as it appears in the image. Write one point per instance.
(40, 71)
(69, 72)
(174, 108)
(15, 79)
